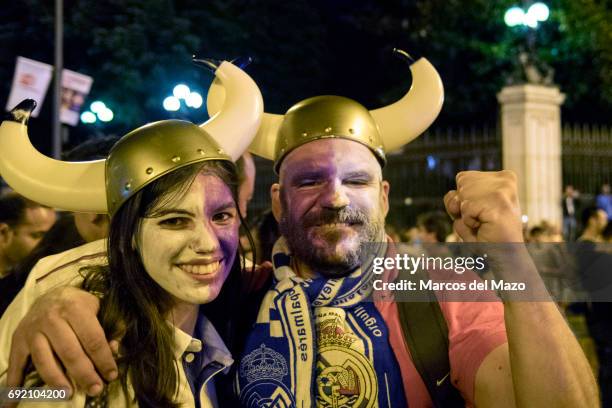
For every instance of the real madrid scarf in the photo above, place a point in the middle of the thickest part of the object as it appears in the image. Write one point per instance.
(318, 342)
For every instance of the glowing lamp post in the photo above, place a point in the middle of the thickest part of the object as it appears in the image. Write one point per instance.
(536, 13)
(97, 111)
(181, 94)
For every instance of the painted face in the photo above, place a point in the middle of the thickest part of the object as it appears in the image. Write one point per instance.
(36, 222)
(332, 199)
(189, 247)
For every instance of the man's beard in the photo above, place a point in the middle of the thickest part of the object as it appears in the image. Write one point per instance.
(330, 261)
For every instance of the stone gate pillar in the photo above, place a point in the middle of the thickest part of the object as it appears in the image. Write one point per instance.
(531, 146)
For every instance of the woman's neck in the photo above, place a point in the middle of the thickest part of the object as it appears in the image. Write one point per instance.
(184, 315)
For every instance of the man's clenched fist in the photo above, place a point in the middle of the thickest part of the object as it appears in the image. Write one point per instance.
(485, 207)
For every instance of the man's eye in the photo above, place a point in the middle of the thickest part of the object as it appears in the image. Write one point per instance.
(356, 182)
(175, 222)
(308, 183)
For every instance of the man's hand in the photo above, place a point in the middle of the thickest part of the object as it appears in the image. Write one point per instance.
(62, 328)
(485, 207)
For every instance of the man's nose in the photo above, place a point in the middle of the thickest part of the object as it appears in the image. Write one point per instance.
(204, 239)
(334, 195)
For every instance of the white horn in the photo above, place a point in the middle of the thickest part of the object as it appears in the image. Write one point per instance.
(234, 122)
(404, 120)
(73, 186)
(263, 143)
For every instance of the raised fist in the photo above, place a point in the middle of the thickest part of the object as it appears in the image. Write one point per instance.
(485, 207)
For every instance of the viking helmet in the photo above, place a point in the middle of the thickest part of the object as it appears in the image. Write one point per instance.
(137, 159)
(321, 117)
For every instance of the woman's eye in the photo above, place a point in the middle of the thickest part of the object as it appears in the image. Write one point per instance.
(223, 217)
(175, 222)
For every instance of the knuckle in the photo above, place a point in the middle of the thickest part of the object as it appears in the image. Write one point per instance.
(68, 353)
(460, 177)
(53, 322)
(95, 345)
(509, 174)
(85, 377)
(38, 359)
(67, 309)
(17, 336)
(53, 377)
(498, 195)
(449, 196)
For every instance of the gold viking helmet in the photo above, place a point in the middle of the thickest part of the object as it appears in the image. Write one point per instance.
(321, 117)
(140, 157)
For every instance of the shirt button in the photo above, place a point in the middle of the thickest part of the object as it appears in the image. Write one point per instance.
(189, 357)
(195, 345)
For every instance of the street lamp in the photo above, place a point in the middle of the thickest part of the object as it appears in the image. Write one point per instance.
(172, 104)
(539, 11)
(536, 13)
(97, 111)
(88, 117)
(530, 67)
(181, 92)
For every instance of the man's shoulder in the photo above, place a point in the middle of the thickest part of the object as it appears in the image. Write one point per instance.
(64, 267)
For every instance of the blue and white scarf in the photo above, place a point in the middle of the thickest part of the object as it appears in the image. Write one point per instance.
(318, 342)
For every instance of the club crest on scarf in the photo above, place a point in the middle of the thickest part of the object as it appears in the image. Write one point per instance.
(345, 377)
(264, 369)
(318, 342)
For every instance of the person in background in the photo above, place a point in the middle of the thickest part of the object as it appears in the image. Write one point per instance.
(594, 270)
(91, 226)
(23, 223)
(410, 236)
(69, 231)
(548, 258)
(433, 227)
(569, 205)
(61, 237)
(604, 200)
(594, 220)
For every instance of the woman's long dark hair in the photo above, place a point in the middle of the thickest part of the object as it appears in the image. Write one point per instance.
(135, 308)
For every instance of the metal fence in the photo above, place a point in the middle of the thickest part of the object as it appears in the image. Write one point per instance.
(587, 157)
(424, 170)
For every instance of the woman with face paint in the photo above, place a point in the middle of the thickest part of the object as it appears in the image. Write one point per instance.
(170, 276)
(172, 246)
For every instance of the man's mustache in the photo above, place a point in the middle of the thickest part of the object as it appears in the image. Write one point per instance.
(327, 216)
